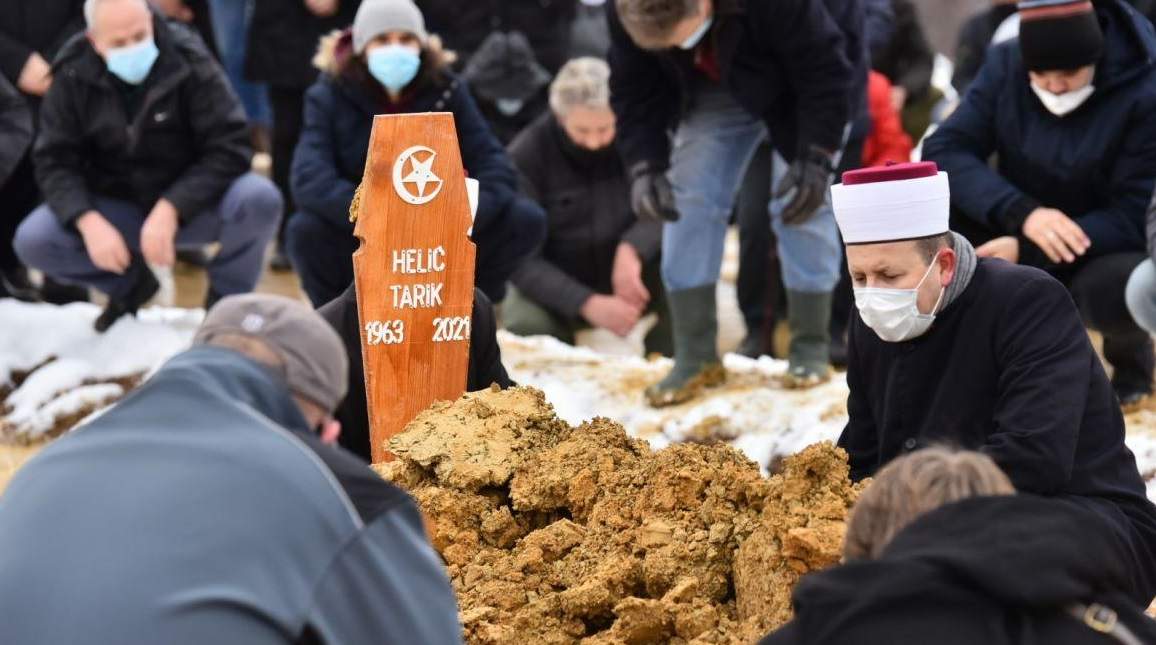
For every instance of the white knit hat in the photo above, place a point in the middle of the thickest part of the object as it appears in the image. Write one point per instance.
(376, 17)
(892, 203)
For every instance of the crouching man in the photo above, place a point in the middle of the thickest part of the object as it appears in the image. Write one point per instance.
(207, 507)
(979, 353)
(143, 148)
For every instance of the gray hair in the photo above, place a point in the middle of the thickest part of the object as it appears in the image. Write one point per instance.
(90, 10)
(582, 82)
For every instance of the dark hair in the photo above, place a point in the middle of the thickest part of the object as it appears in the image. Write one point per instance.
(929, 247)
(650, 22)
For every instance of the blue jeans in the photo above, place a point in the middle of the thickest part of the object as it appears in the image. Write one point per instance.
(243, 222)
(1140, 295)
(711, 150)
(231, 25)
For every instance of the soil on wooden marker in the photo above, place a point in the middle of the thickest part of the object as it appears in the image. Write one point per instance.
(556, 534)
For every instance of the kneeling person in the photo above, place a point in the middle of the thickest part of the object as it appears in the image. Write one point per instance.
(598, 266)
(143, 148)
(980, 353)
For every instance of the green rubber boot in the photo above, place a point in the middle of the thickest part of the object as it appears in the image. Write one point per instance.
(694, 318)
(809, 319)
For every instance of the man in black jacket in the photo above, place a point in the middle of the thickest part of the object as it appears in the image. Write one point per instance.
(598, 266)
(143, 147)
(207, 508)
(725, 75)
(982, 354)
(485, 367)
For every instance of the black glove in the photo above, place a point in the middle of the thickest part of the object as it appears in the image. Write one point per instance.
(810, 179)
(651, 196)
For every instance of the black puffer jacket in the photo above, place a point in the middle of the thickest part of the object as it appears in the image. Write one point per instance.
(15, 129)
(587, 200)
(40, 26)
(283, 38)
(465, 25)
(484, 370)
(994, 570)
(186, 142)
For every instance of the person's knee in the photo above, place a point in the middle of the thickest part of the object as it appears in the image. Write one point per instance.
(34, 237)
(259, 201)
(1140, 295)
(302, 233)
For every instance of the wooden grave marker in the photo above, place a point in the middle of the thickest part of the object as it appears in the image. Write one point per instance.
(414, 270)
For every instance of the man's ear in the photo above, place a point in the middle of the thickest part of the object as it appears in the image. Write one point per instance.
(948, 262)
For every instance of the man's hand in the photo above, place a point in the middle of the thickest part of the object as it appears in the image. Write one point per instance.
(807, 183)
(611, 312)
(651, 196)
(1060, 238)
(1004, 248)
(36, 77)
(175, 9)
(321, 8)
(898, 97)
(105, 246)
(159, 234)
(626, 277)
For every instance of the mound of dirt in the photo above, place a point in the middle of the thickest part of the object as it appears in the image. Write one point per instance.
(556, 534)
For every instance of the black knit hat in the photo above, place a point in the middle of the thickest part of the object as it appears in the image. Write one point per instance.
(1059, 34)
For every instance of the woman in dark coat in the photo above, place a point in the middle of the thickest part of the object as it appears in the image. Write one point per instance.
(485, 367)
(1071, 184)
(330, 157)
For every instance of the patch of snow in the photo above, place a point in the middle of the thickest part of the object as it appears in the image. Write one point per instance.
(34, 422)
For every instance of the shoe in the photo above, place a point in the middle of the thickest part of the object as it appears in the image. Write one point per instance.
(809, 319)
(194, 257)
(694, 322)
(56, 293)
(280, 263)
(145, 288)
(752, 346)
(15, 283)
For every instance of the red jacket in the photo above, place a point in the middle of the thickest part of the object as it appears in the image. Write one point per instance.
(887, 141)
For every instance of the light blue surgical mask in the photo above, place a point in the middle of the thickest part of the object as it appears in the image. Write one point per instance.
(394, 66)
(509, 107)
(132, 63)
(697, 36)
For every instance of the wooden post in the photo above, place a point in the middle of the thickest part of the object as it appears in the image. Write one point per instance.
(414, 270)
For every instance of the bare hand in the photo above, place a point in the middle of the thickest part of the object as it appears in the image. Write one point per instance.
(36, 76)
(175, 9)
(105, 246)
(321, 8)
(1056, 234)
(159, 233)
(626, 276)
(1004, 248)
(898, 97)
(611, 312)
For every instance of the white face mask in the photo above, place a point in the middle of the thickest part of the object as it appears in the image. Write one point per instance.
(893, 314)
(697, 36)
(1063, 104)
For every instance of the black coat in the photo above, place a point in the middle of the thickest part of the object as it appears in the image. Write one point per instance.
(41, 26)
(906, 59)
(329, 161)
(800, 65)
(283, 38)
(1007, 369)
(187, 142)
(974, 41)
(485, 366)
(15, 129)
(587, 200)
(465, 25)
(990, 570)
(1097, 164)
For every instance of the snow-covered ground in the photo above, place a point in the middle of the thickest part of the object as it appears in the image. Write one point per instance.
(751, 412)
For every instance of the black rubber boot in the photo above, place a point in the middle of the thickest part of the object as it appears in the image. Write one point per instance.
(145, 287)
(694, 317)
(809, 317)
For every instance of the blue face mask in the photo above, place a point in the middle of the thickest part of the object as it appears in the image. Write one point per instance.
(132, 64)
(697, 36)
(394, 66)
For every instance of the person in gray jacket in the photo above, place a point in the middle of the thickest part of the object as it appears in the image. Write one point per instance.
(209, 507)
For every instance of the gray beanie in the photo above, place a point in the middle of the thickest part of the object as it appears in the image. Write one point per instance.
(376, 17)
(315, 364)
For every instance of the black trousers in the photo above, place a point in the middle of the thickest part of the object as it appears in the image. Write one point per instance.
(322, 251)
(288, 105)
(1097, 286)
(18, 197)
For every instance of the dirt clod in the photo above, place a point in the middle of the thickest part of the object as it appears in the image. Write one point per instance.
(564, 535)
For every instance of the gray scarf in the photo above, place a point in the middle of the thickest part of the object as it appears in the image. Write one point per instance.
(964, 269)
